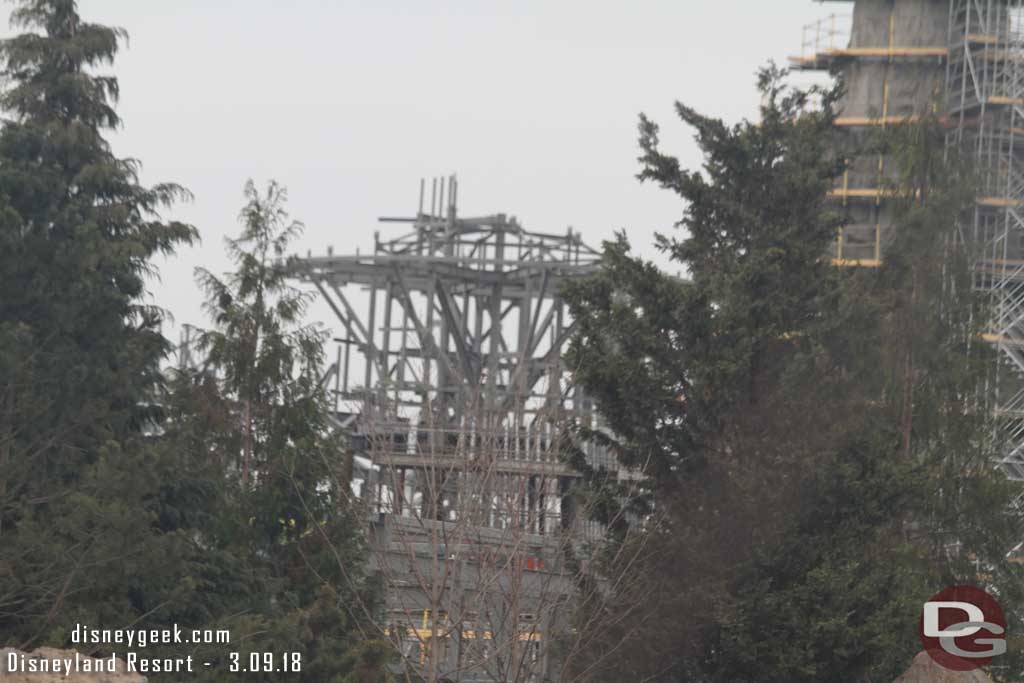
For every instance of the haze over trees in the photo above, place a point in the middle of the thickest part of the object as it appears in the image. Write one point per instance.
(79, 346)
(209, 497)
(814, 438)
(814, 444)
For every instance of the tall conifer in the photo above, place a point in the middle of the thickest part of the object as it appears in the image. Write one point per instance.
(79, 344)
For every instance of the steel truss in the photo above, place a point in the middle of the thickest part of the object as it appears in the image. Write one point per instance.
(451, 385)
(458, 337)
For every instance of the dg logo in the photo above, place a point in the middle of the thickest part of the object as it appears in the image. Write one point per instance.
(962, 628)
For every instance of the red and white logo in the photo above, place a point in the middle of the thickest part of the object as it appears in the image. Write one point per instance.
(963, 628)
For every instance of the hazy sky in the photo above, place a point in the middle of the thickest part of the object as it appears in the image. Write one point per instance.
(533, 104)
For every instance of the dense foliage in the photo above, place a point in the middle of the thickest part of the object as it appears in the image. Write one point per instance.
(812, 437)
(255, 402)
(79, 347)
(210, 497)
(814, 443)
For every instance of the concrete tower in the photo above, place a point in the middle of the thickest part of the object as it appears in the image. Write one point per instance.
(964, 61)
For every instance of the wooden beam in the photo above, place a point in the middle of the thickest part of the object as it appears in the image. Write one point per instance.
(982, 38)
(888, 52)
(879, 193)
(1000, 202)
(829, 54)
(1000, 339)
(844, 121)
(857, 262)
(999, 99)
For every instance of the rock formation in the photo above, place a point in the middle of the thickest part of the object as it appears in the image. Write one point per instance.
(925, 670)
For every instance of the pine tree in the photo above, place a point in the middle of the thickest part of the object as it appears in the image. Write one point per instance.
(288, 520)
(79, 346)
(268, 363)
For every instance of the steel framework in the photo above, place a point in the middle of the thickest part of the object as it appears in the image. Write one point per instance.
(451, 384)
(461, 327)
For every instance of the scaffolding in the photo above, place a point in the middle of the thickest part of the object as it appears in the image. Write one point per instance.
(986, 91)
(892, 54)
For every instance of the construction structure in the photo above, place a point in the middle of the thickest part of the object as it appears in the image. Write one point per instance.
(964, 61)
(451, 386)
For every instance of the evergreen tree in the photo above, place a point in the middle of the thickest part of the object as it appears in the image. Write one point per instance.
(79, 347)
(812, 436)
(268, 363)
(287, 522)
(120, 499)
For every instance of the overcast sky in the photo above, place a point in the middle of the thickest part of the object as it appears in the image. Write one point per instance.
(533, 104)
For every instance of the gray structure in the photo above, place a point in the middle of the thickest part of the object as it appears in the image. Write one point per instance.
(963, 60)
(451, 385)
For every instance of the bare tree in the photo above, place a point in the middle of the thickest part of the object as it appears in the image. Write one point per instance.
(458, 437)
(488, 556)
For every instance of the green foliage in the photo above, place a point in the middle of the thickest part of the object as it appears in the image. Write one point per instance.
(286, 524)
(812, 437)
(267, 362)
(755, 228)
(79, 348)
(121, 504)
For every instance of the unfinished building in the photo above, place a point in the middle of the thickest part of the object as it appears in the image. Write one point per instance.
(451, 385)
(964, 61)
